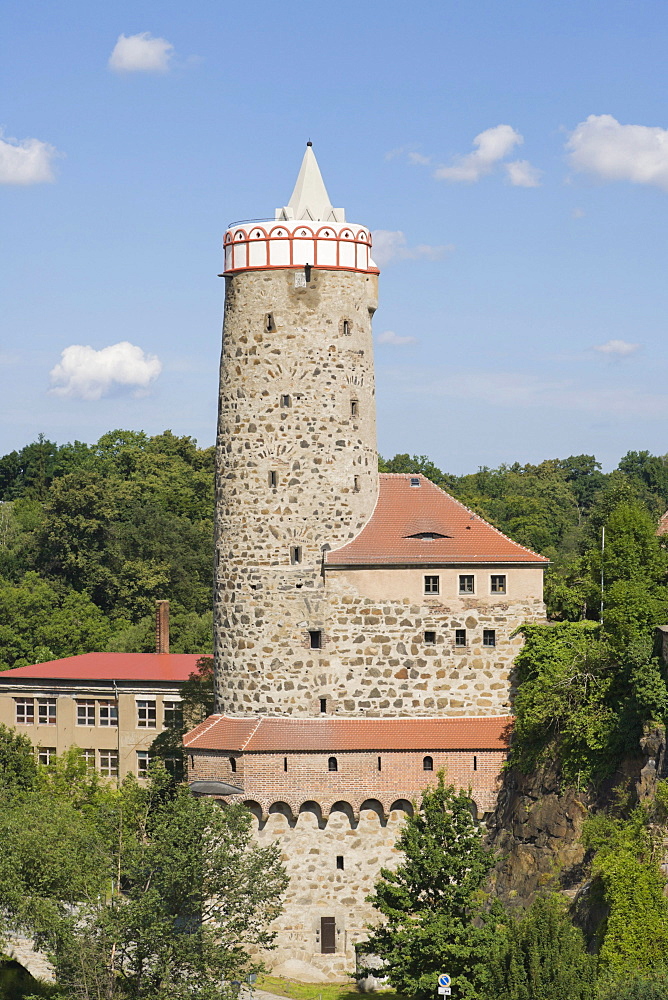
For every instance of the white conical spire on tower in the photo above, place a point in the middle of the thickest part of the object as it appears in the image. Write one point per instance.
(310, 200)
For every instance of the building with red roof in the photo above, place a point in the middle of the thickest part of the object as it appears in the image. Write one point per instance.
(110, 705)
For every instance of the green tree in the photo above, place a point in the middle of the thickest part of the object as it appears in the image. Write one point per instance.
(431, 903)
(543, 957)
(197, 704)
(18, 769)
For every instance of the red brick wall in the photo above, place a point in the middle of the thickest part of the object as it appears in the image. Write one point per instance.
(402, 776)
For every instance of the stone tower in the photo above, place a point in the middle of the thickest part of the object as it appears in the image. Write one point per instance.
(296, 446)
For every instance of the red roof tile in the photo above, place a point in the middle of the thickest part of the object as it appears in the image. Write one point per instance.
(175, 667)
(403, 511)
(279, 733)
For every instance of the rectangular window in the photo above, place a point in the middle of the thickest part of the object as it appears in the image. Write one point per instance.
(46, 708)
(285, 763)
(489, 637)
(354, 408)
(315, 639)
(327, 935)
(109, 763)
(25, 711)
(339, 862)
(89, 757)
(273, 479)
(466, 584)
(430, 638)
(323, 704)
(172, 714)
(475, 763)
(143, 759)
(146, 714)
(356, 484)
(497, 583)
(45, 755)
(295, 554)
(432, 584)
(460, 637)
(85, 713)
(380, 764)
(108, 713)
(285, 402)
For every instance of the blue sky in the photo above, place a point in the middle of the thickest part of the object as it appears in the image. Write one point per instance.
(523, 297)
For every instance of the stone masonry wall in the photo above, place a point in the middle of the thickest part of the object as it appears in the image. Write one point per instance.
(296, 407)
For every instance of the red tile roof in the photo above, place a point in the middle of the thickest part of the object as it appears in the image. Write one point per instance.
(280, 733)
(174, 667)
(403, 510)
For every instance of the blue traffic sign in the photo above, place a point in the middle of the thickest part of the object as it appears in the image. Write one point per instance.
(444, 979)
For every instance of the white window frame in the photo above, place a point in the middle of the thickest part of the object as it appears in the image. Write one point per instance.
(108, 763)
(108, 713)
(89, 756)
(45, 755)
(143, 761)
(25, 711)
(45, 717)
(144, 706)
(85, 704)
(171, 705)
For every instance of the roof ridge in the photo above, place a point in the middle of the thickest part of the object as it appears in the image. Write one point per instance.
(217, 716)
(252, 733)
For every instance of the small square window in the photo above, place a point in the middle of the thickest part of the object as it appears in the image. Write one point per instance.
(85, 713)
(146, 714)
(467, 584)
(497, 584)
(432, 584)
(46, 711)
(460, 637)
(339, 862)
(108, 713)
(286, 402)
(315, 639)
(430, 638)
(45, 755)
(295, 554)
(489, 637)
(25, 711)
(415, 481)
(143, 760)
(109, 763)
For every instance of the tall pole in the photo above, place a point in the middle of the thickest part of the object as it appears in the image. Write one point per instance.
(602, 570)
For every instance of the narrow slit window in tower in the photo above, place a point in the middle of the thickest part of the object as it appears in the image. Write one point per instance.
(286, 402)
(356, 484)
(285, 763)
(315, 639)
(354, 408)
(332, 764)
(295, 554)
(339, 862)
(233, 765)
(323, 705)
(475, 763)
(428, 764)
(379, 764)
(346, 327)
(273, 478)
(430, 638)
(269, 324)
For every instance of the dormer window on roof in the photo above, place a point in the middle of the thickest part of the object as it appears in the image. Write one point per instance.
(415, 481)
(427, 536)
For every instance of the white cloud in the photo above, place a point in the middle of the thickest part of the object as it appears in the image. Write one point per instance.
(419, 159)
(26, 162)
(578, 213)
(391, 244)
(613, 152)
(522, 174)
(492, 145)
(617, 348)
(390, 337)
(90, 374)
(141, 54)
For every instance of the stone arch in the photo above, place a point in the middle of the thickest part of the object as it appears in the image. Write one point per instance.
(402, 805)
(312, 808)
(347, 809)
(256, 809)
(282, 809)
(373, 805)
